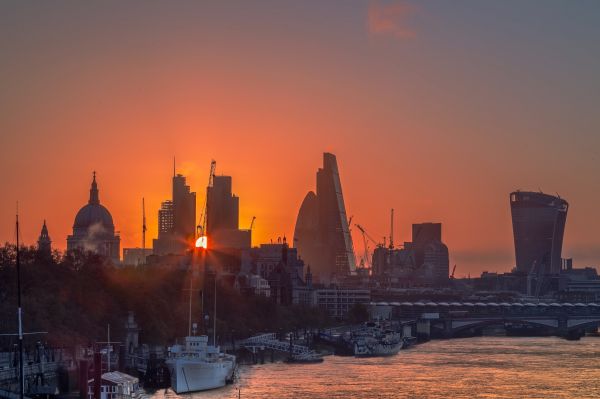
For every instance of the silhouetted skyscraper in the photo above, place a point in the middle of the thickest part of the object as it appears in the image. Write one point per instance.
(184, 210)
(176, 220)
(166, 243)
(423, 261)
(430, 252)
(223, 207)
(422, 235)
(165, 218)
(222, 216)
(538, 226)
(322, 235)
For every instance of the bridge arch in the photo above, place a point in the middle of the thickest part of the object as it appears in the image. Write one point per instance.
(458, 326)
(575, 324)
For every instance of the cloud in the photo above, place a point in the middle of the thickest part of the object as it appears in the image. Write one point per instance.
(390, 19)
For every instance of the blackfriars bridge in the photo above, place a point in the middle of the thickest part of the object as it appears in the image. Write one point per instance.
(451, 319)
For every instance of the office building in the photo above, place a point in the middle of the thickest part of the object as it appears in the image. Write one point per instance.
(337, 301)
(176, 220)
(222, 217)
(424, 261)
(322, 234)
(430, 253)
(135, 256)
(184, 210)
(538, 227)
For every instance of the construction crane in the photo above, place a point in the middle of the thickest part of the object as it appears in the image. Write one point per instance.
(202, 226)
(366, 237)
(452, 274)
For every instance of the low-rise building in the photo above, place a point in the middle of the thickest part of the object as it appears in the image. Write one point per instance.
(135, 256)
(337, 300)
(115, 385)
(259, 285)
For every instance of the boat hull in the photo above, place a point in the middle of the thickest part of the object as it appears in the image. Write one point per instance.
(190, 376)
(362, 349)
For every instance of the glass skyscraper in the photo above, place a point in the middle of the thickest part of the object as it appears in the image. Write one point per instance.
(538, 227)
(322, 234)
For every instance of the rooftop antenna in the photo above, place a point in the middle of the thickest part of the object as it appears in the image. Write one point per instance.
(143, 230)
(173, 165)
(190, 311)
(215, 314)
(392, 229)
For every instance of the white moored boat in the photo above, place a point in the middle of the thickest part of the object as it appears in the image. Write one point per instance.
(376, 341)
(197, 366)
(371, 346)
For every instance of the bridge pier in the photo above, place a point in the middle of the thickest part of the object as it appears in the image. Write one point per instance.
(423, 330)
(574, 335)
(448, 328)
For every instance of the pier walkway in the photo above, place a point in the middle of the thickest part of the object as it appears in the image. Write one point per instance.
(270, 341)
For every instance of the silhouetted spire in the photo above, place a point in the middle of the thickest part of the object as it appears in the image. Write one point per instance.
(44, 233)
(284, 252)
(308, 277)
(94, 199)
(44, 242)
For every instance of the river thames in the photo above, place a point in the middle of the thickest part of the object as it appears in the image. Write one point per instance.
(482, 367)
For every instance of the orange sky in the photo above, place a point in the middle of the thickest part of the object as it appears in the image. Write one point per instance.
(428, 118)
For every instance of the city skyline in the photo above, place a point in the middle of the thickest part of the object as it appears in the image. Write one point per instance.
(436, 112)
(56, 243)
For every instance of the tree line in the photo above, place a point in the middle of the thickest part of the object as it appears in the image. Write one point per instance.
(74, 295)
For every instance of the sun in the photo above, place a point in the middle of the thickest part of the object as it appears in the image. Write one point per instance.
(202, 242)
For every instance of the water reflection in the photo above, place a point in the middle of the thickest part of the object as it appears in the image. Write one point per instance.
(484, 367)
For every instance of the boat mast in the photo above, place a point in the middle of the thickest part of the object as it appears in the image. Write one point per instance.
(190, 312)
(108, 347)
(215, 314)
(19, 312)
(203, 325)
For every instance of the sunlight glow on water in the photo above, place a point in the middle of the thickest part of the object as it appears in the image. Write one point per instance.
(485, 367)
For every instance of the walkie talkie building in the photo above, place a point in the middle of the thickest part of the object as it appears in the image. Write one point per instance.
(538, 228)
